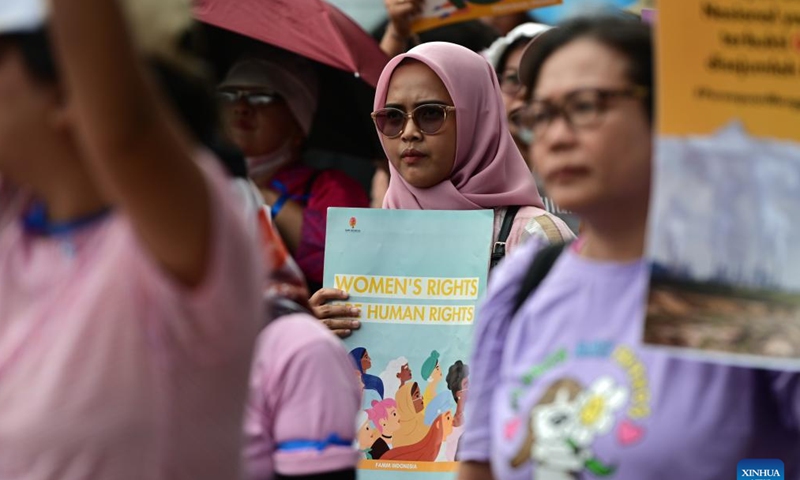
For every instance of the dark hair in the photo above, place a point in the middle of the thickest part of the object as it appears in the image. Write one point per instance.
(191, 97)
(36, 54)
(455, 377)
(625, 34)
(516, 44)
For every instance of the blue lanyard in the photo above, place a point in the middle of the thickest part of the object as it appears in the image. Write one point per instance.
(284, 195)
(318, 445)
(35, 222)
(281, 188)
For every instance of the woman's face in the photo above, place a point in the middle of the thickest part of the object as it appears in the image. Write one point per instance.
(513, 92)
(437, 373)
(514, 95)
(405, 373)
(366, 435)
(261, 129)
(603, 165)
(366, 362)
(423, 160)
(416, 397)
(392, 422)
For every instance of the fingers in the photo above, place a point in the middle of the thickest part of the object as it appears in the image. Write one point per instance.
(342, 327)
(333, 311)
(413, 3)
(404, 8)
(342, 333)
(324, 295)
(342, 324)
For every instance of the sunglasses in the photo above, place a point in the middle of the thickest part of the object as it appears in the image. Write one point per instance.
(253, 99)
(429, 118)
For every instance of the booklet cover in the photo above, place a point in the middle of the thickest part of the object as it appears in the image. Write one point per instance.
(417, 277)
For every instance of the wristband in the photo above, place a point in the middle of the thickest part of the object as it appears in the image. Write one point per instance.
(278, 205)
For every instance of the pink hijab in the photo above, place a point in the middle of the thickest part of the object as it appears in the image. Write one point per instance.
(489, 171)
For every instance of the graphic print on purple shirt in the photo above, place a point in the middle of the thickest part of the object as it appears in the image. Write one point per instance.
(561, 427)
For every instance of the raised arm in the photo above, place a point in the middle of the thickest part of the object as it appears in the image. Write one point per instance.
(135, 148)
(398, 35)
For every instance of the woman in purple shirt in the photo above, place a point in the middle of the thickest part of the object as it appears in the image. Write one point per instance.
(564, 389)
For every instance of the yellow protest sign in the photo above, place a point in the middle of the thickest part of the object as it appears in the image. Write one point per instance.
(438, 13)
(723, 229)
(725, 59)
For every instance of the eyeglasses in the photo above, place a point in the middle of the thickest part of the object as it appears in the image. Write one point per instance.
(253, 99)
(581, 109)
(429, 118)
(510, 82)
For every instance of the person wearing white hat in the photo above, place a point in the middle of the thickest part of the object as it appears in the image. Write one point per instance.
(130, 286)
(505, 55)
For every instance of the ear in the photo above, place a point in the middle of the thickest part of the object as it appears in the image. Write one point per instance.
(524, 453)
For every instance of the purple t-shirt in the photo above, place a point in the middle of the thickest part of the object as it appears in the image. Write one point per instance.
(566, 390)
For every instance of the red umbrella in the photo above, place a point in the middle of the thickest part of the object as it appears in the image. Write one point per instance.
(311, 28)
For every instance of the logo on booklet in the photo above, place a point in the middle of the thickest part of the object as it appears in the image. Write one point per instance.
(759, 469)
(353, 222)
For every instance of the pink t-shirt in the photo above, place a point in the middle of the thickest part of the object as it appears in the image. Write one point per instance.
(109, 369)
(303, 393)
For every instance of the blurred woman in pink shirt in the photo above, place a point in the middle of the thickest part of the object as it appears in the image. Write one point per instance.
(130, 290)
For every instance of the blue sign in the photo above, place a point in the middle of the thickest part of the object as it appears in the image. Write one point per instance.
(759, 469)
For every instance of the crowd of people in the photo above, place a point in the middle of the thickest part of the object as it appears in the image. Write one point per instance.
(162, 314)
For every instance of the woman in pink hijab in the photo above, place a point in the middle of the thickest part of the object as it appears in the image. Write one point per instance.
(455, 152)
(442, 122)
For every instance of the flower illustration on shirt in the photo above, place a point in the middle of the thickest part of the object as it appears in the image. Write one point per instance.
(564, 424)
(597, 407)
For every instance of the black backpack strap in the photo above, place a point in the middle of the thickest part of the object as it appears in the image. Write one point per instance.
(540, 267)
(499, 249)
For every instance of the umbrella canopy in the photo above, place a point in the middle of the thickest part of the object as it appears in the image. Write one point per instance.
(311, 28)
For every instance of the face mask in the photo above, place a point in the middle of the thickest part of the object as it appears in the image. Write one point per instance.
(263, 164)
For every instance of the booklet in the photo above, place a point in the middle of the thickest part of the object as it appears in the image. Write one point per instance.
(417, 277)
